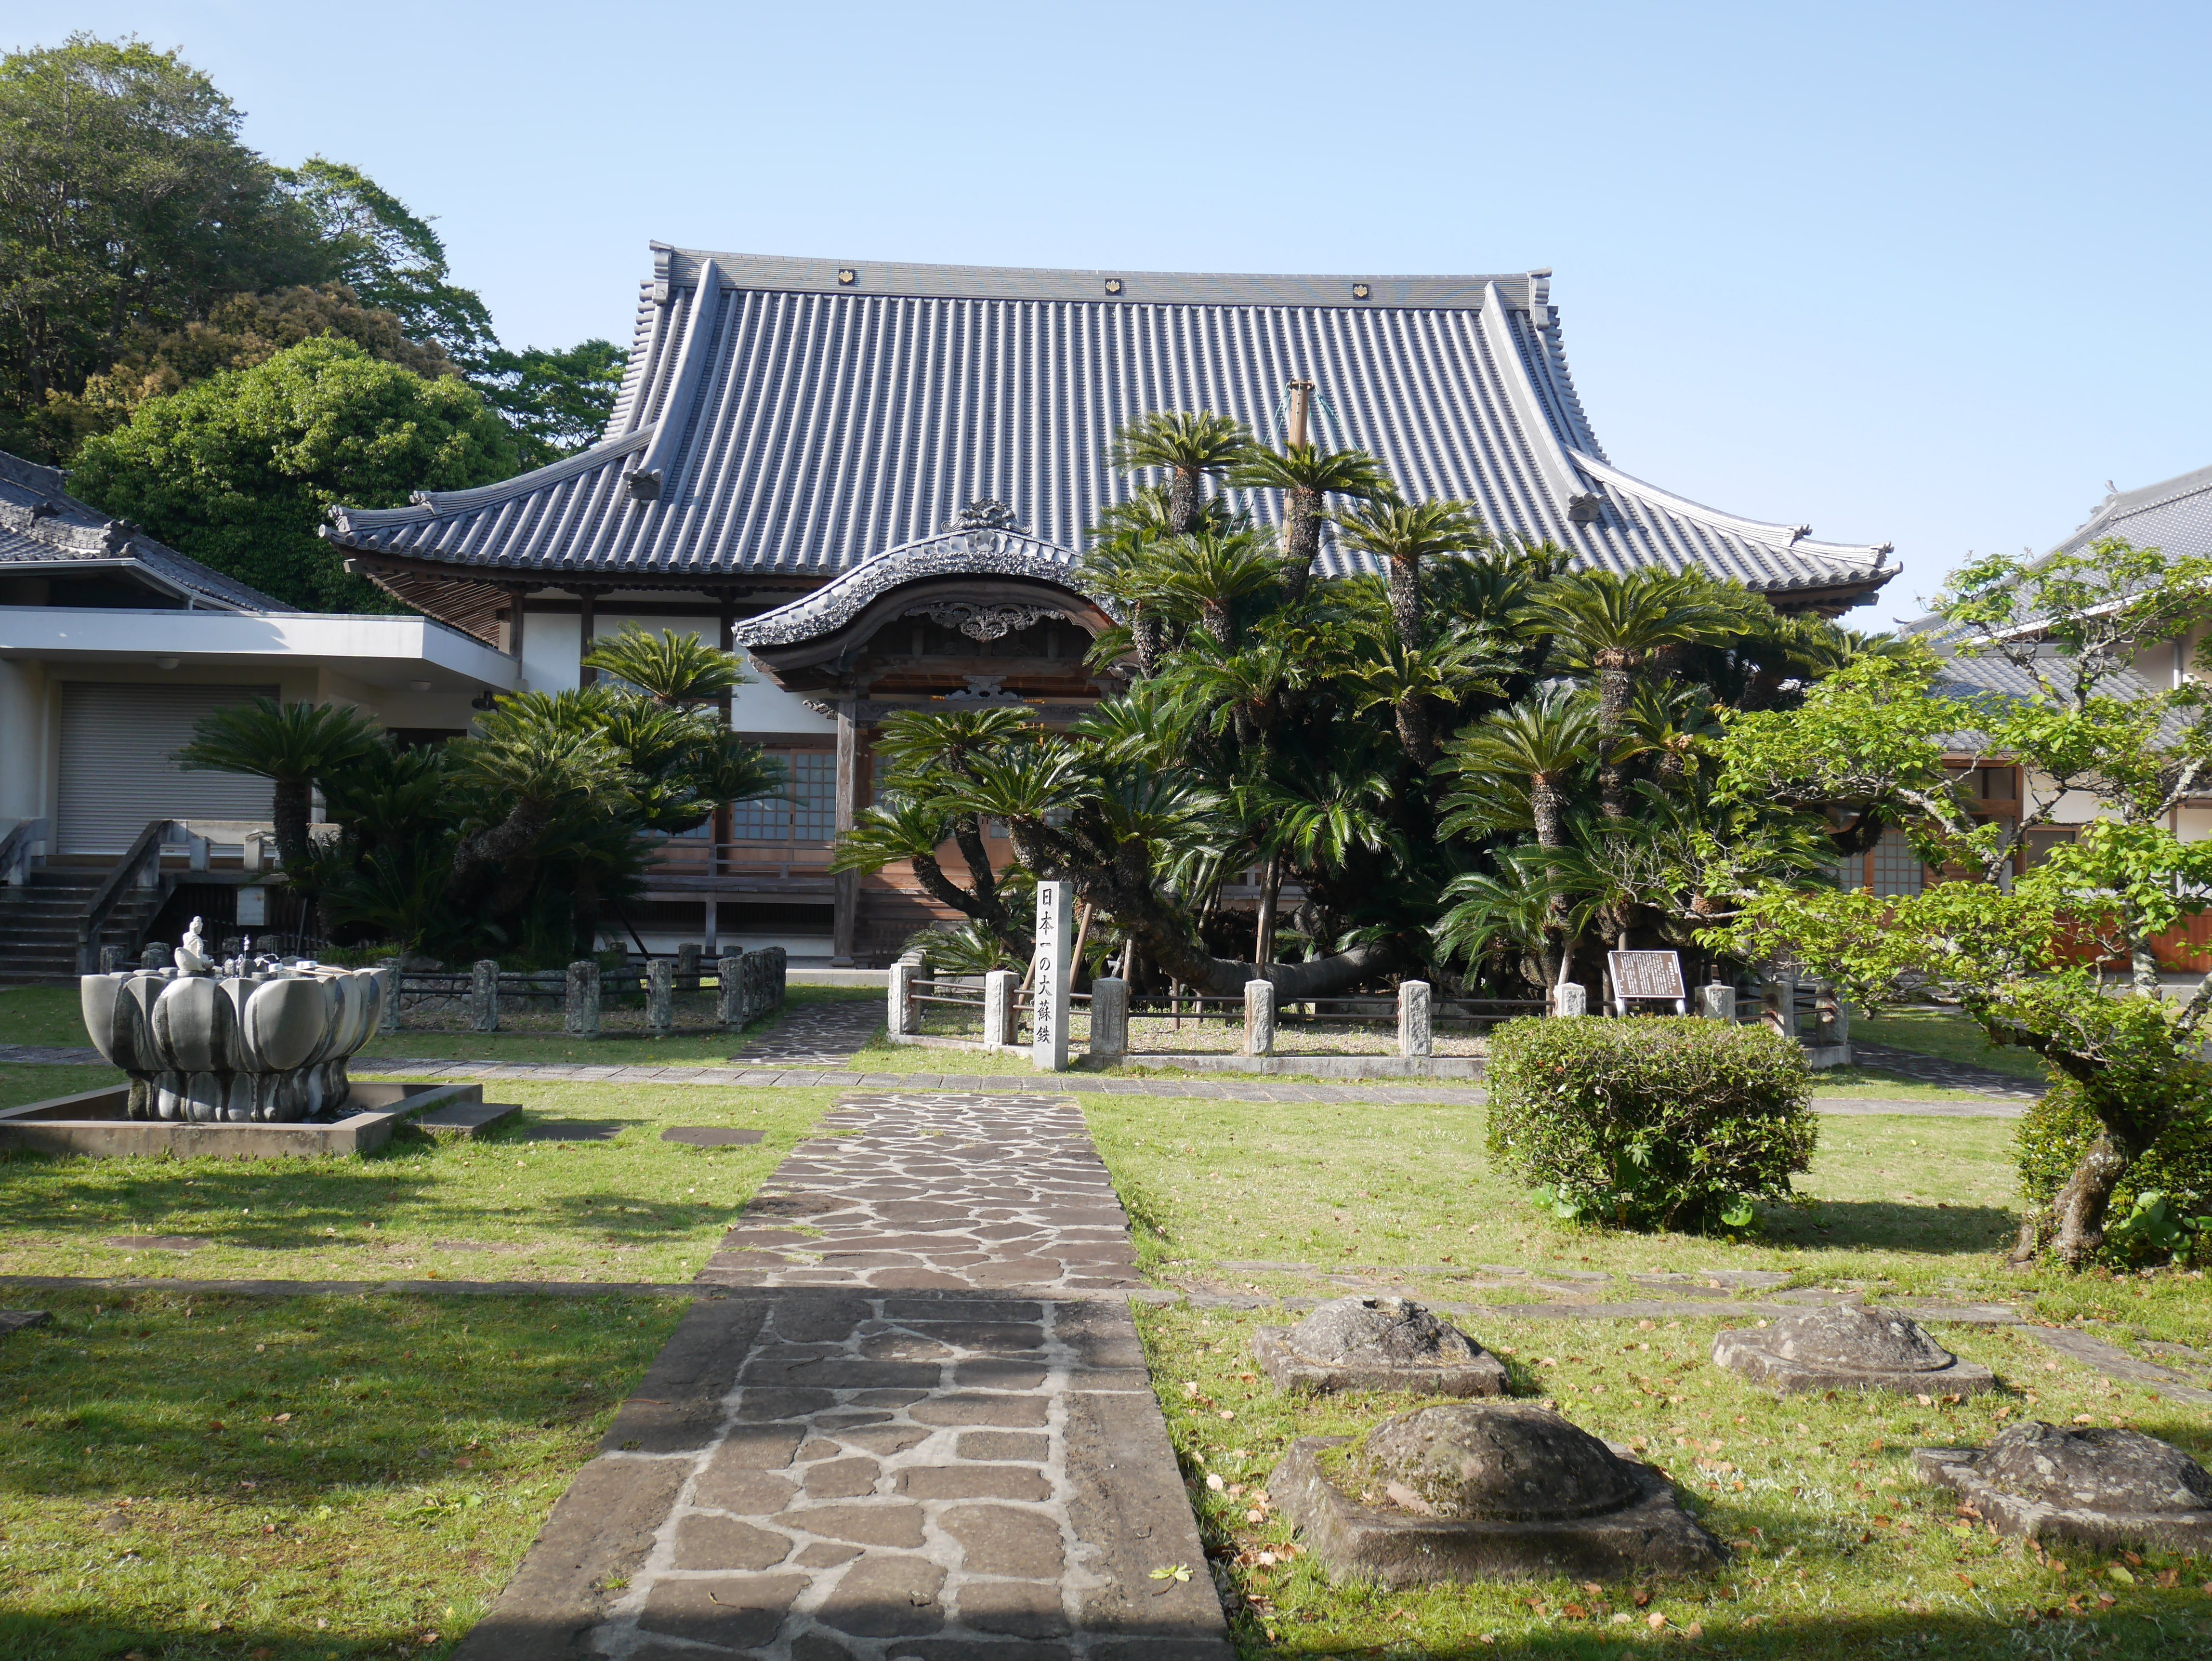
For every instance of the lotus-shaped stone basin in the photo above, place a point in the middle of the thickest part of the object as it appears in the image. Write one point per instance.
(267, 1044)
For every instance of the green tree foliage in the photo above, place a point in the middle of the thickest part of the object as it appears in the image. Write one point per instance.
(556, 401)
(1869, 746)
(128, 204)
(238, 469)
(507, 840)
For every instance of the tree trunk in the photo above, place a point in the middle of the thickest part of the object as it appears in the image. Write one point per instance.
(945, 892)
(291, 801)
(509, 847)
(1145, 634)
(1301, 541)
(1263, 933)
(2079, 1206)
(2144, 963)
(1616, 691)
(1215, 615)
(1405, 600)
(1183, 501)
(1414, 732)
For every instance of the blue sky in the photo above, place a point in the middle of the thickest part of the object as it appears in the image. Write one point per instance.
(1925, 274)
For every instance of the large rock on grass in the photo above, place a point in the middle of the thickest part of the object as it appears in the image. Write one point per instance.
(2107, 1486)
(1377, 1343)
(1492, 1490)
(1849, 1347)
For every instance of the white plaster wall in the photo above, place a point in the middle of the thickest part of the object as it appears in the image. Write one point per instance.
(24, 746)
(762, 706)
(550, 649)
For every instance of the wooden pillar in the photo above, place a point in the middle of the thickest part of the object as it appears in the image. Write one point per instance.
(845, 917)
(516, 618)
(724, 823)
(585, 598)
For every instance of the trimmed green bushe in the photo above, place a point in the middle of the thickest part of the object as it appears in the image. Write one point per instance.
(2162, 1207)
(1677, 1123)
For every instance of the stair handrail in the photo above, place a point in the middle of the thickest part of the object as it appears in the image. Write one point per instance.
(16, 848)
(125, 875)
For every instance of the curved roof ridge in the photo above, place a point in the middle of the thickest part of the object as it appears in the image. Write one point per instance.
(1791, 537)
(427, 505)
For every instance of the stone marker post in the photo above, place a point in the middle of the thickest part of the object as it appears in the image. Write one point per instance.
(1259, 1018)
(1415, 1032)
(659, 997)
(998, 1006)
(387, 1018)
(157, 956)
(1570, 998)
(580, 1012)
(1109, 1017)
(730, 1000)
(110, 960)
(483, 994)
(1055, 937)
(1778, 1004)
(687, 960)
(898, 1012)
(1716, 1001)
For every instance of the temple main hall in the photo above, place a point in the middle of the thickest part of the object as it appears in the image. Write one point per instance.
(876, 481)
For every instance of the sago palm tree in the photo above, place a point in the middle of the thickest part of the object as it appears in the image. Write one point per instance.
(1539, 744)
(1203, 577)
(669, 667)
(1610, 625)
(1402, 535)
(1308, 476)
(295, 747)
(1192, 445)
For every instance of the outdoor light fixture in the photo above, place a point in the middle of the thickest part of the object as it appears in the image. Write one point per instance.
(484, 701)
(418, 686)
(846, 276)
(1360, 291)
(1113, 285)
(166, 663)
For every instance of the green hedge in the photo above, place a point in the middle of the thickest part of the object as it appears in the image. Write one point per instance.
(1671, 1123)
(2050, 1142)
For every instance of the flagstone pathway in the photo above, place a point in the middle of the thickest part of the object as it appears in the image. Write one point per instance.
(911, 1420)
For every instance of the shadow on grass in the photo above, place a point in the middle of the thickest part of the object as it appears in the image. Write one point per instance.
(1889, 1225)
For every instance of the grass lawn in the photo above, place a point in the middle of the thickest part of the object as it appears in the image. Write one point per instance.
(299, 1478)
(1838, 1551)
(20, 1085)
(629, 1206)
(1919, 1204)
(1950, 1037)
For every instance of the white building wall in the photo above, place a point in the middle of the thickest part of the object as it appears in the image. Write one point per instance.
(25, 748)
(550, 651)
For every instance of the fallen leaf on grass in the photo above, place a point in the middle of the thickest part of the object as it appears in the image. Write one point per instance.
(1655, 1620)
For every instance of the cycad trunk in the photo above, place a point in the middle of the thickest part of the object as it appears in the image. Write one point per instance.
(291, 803)
(1301, 540)
(1145, 633)
(1183, 501)
(1406, 599)
(1616, 691)
(1414, 731)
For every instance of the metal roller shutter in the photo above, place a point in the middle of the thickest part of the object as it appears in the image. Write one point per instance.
(116, 773)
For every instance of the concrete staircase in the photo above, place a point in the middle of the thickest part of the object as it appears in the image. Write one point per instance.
(40, 916)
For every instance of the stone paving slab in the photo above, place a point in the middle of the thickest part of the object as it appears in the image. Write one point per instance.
(946, 1190)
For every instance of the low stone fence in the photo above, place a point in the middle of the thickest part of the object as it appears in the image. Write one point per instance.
(664, 995)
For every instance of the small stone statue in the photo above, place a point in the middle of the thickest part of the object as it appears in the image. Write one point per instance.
(192, 956)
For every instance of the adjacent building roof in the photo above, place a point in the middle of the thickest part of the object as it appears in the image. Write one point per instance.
(790, 418)
(46, 532)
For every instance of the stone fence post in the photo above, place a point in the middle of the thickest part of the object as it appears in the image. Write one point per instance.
(1833, 1017)
(157, 956)
(687, 960)
(659, 997)
(110, 960)
(483, 994)
(1416, 1032)
(1716, 1001)
(775, 969)
(1109, 1017)
(1778, 1004)
(1570, 998)
(898, 1012)
(730, 999)
(998, 1006)
(1259, 1018)
(387, 1015)
(580, 1014)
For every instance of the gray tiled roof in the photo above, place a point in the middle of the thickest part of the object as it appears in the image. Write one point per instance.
(806, 415)
(42, 525)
